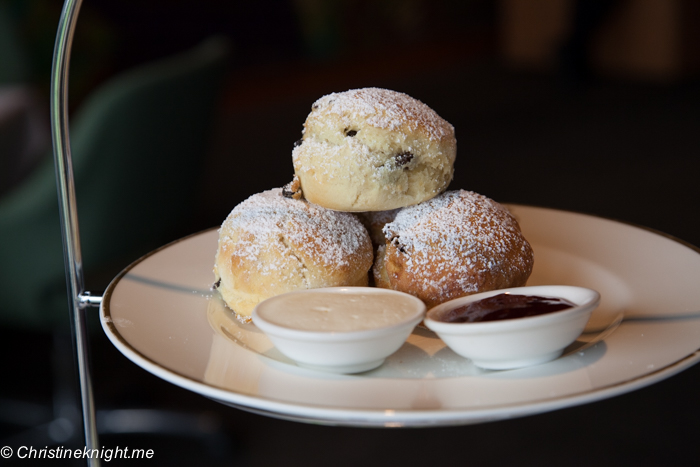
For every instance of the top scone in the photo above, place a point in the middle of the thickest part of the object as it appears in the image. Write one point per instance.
(372, 150)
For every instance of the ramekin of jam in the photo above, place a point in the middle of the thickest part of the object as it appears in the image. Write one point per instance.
(514, 328)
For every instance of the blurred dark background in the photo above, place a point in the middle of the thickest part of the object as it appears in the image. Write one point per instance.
(590, 106)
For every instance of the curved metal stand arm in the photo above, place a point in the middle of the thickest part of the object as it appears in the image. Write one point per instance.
(69, 215)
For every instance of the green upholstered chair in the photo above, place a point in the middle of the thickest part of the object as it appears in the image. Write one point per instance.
(138, 145)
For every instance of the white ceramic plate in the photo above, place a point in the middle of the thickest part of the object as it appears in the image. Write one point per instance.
(161, 313)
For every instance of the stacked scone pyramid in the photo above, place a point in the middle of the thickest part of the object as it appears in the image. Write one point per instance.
(368, 205)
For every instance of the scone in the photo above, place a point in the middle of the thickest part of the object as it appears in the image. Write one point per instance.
(456, 244)
(373, 150)
(374, 222)
(270, 244)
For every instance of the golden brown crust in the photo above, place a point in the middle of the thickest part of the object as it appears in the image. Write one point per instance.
(457, 244)
(271, 244)
(374, 222)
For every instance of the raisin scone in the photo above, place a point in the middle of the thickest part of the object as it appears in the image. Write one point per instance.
(456, 244)
(373, 149)
(271, 244)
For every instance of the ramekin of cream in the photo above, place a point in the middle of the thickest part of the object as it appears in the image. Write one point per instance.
(339, 329)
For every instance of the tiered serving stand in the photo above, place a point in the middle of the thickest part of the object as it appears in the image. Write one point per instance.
(79, 299)
(647, 327)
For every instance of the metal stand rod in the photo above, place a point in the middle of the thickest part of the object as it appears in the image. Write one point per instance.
(69, 215)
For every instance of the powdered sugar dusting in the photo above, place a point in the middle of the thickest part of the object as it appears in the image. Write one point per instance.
(269, 218)
(386, 109)
(458, 239)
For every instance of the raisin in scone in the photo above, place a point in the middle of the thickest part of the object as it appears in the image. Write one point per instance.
(373, 149)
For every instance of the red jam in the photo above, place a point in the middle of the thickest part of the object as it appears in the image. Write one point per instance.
(505, 306)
